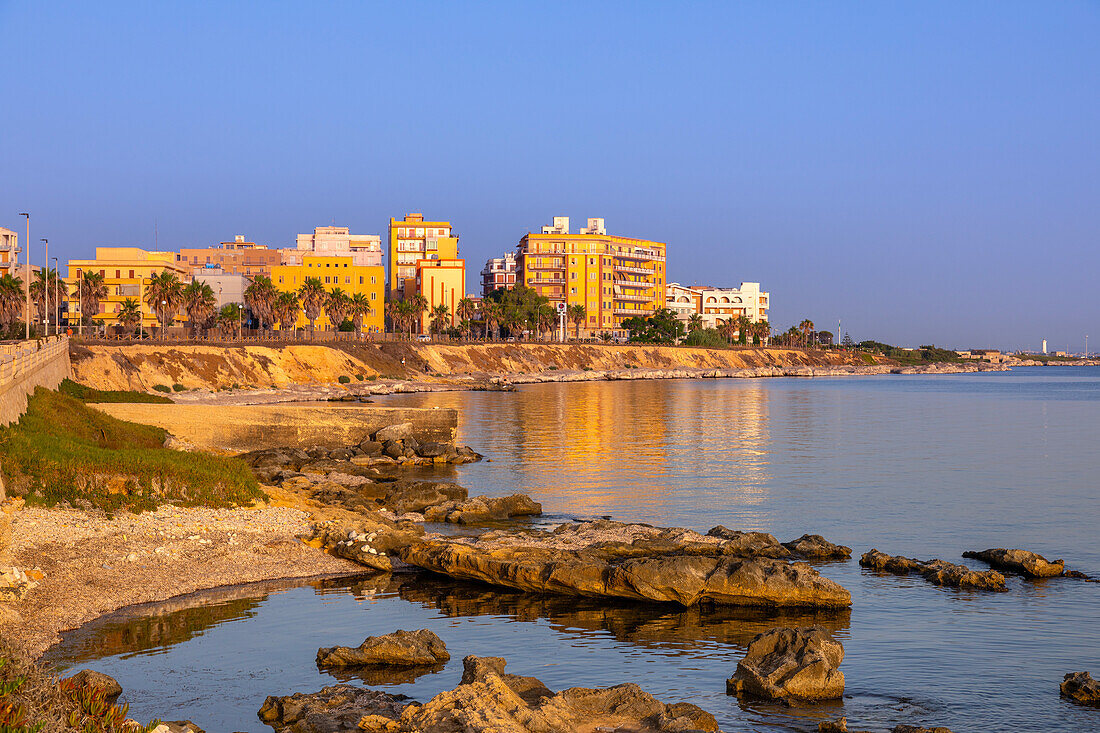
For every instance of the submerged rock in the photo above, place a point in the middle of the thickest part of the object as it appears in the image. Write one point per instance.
(401, 648)
(640, 562)
(1081, 687)
(790, 664)
(841, 726)
(1028, 563)
(487, 700)
(938, 572)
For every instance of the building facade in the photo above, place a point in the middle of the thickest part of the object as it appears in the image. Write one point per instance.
(441, 282)
(236, 258)
(336, 271)
(228, 287)
(365, 250)
(717, 305)
(9, 250)
(614, 278)
(411, 240)
(499, 273)
(125, 271)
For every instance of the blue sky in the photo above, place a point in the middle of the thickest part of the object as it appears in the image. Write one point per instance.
(927, 172)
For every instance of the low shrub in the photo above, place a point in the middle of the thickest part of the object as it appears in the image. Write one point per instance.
(177, 387)
(162, 388)
(87, 394)
(343, 379)
(359, 377)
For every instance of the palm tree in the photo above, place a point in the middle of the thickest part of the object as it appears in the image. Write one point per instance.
(490, 313)
(576, 315)
(545, 316)
(393, 312)
(761, 330)
(695, 323)
(42, 290)
(199, 302)
(11, 300)
(806, 328)
(418, 305)
(90, 290)
(466, 310)
(359, 308)
(229, 319)
(440, 318)
(743, 326)
(129, 315)
(313, 297)
(285, 311)
(728, 328)
(164, 294)
(337, 305)
(260, 296)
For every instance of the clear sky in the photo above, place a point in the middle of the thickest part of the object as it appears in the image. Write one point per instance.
(927, 172)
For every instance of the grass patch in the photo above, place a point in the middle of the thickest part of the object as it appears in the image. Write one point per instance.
(343, 379)
(177, 387)
(359, 377)
(87, 394)
(62, 451)
(162, 388)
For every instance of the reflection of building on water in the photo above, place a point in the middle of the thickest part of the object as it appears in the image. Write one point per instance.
(596, 446)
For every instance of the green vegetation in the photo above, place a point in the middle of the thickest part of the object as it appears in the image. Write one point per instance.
(663, 327)
(162, 388)
(708, 338)
(87, 394)
(63, 451)
(908, 357)
(343, 379)
(359, 377)
(177, 387)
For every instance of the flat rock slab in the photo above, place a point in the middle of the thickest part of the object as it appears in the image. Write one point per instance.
(937, 572)
(639, 562)
(790, 664)
(1024, 562)
(401, 648)
(487, 700)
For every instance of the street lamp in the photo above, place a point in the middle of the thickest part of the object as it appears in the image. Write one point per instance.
(27, 283)
(57, 296)
(46, 282)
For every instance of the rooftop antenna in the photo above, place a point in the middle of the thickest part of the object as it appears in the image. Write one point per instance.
(156, 237)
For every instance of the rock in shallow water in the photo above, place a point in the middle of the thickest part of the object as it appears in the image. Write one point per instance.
(487, 700)
(639, 562)
(790, 664)
(1081, 687)
(401, 648)
(938, 572)
(1028, 563)
(482, 509)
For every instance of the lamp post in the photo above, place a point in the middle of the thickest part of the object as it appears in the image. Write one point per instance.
(163, 307)
(27, 282)
(57, 297)
(46, 283)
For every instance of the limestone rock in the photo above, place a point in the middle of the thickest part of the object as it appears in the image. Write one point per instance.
(1081, 687)
(482, 509)
(90, 678)
(639, 562)
(416, 496)
(750, 544)
(1027, 563)
(790, 664)
(938, 572)
(400, 431)
(816, 547)
(401, 648)
(332, 710)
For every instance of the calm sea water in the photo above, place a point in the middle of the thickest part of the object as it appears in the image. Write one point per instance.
(921, 466)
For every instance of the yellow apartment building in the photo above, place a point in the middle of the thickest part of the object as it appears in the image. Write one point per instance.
(412, 239)
(336, 271)
(614, 278)
(125, 272)
(440, 281)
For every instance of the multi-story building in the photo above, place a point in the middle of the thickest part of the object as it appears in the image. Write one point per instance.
(9, 250)
(365, 250)
(716, 305)
(440, 282)
(236, 258)
(499, 273)
(412, 239)
(125, 271)
(614, 278)
(336, 271)
(228, 287)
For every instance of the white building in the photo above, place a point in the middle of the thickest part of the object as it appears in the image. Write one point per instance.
(365, 249)
(716, 305)
(499, 272)
(9, 250)
(228, 287)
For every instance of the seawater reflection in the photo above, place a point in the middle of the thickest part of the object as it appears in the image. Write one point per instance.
(921, 466)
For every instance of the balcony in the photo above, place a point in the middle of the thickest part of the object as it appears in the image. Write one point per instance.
(633, 284)
(640, 256)
(532, 282)
(633, 311)
(633, 270)
(633, 298)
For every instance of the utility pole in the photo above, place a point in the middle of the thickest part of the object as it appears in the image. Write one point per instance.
(27, 281)
(46, 295)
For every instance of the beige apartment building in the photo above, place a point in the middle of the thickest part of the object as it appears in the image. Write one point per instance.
(365, 250)
(9, 250)
(717, 305)
(238, 257)
(613, 277)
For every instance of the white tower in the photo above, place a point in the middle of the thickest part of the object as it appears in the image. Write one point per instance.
(1044, 346)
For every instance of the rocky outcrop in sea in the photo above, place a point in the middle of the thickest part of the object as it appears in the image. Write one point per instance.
(937, 572)
(790, 664)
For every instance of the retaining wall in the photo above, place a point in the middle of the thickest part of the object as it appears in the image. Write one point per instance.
(27, 365)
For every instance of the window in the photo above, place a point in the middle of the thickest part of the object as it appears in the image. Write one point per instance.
(373, 280)
(347, 280)
(118, 274)
(280, 279)
(374, 296)
(326, 278)
(572, 276)
(360, 279)
(131, 274)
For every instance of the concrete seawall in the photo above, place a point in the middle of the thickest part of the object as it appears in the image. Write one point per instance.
(27, 366)
(240, 428)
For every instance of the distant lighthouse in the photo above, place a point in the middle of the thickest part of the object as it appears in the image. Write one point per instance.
(1044, 346)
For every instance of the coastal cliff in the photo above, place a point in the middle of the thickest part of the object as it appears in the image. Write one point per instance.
(146, 367)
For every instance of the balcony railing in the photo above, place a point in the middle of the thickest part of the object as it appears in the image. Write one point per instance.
(640, 256)
(531, 281)
(633, 284)
(633, 270)
(633, 298)
(633, 311)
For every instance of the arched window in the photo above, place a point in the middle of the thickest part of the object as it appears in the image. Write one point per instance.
(725, 299)
(712, 299)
